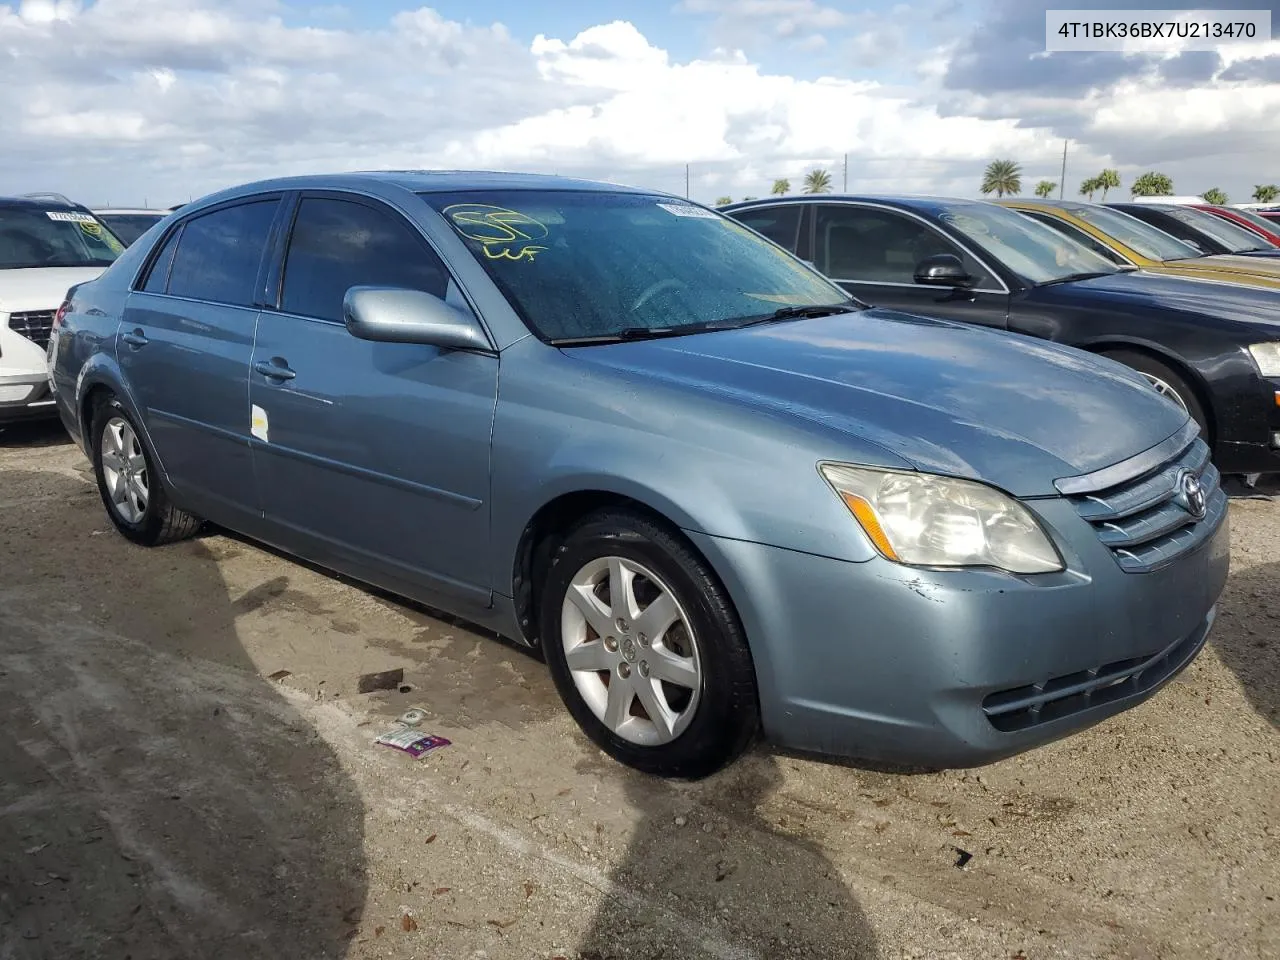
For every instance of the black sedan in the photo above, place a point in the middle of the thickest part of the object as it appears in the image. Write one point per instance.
(1212, 347)
(1202, 230)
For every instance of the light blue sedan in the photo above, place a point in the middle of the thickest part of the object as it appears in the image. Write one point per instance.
(721, 497)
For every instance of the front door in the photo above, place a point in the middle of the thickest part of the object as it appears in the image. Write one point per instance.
(184, 347)
(873, 251)
(372, 457)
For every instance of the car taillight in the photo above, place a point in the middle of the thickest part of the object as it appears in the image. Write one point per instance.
(62, 312)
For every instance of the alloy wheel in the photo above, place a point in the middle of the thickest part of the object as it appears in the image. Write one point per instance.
(631, 651)
(124, 470)
(1165, 390)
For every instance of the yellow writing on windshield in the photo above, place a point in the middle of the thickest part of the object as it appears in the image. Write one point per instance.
(503, 234)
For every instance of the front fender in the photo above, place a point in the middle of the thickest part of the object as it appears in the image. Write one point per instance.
(708, 465)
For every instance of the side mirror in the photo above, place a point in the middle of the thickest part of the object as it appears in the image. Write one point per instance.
(396, 315)
(942, 270)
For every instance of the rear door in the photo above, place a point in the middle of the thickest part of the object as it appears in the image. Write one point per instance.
(184, 346)
(373, 457)
(873, 252)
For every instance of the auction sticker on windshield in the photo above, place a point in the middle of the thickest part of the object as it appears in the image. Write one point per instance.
(69, 217)
(689, 210)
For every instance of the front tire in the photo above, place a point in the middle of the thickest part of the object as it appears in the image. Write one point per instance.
(646, 648)
(130, 485)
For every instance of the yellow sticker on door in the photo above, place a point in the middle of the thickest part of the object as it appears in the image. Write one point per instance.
(258, 423)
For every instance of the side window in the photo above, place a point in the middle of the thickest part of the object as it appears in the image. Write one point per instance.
(220, 252)
(780, 224)
(880, 246)
(158, 276)
(1072, 232)
(339, 244)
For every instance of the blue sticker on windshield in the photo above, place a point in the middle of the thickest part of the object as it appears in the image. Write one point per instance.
(503, 234)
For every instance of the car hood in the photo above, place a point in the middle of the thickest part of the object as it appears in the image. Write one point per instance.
(1267, 266)
(1237, 302)
(40, 288)
(946, 398)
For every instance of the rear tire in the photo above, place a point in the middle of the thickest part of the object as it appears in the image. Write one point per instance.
(128, 482)
(666, 643)
(1167, 381)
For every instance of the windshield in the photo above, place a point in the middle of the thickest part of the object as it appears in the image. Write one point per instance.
(1138, 235)
(1262, 223)
(130, 226)
(31, 237)
(580, 264)
(1236, 239)
(1037, 253)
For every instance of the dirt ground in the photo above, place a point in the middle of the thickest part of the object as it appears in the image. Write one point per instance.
(162, 795)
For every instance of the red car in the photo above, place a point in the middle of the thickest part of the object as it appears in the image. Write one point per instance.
(1259, 225)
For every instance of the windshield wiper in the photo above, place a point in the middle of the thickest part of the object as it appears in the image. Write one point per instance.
(633, 333)
(1070, 277)
(805, 312)
(733, 323)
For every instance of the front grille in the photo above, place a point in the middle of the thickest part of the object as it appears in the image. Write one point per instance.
(35, 325)
(1029, 706)
(1145, 521)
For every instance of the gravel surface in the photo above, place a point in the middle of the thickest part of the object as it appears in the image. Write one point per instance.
(187, 770)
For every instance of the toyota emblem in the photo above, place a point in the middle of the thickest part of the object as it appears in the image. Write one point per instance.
(1191, 495)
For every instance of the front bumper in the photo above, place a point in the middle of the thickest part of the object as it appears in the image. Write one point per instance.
(1249, 441)
(911, 666)
(25, 396)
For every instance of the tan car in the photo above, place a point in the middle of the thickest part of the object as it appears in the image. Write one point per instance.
(1124, 239)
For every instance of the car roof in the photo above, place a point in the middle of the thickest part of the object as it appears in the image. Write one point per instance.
(1070, 206)
(435, 181)
(928, 204)
(38, 203)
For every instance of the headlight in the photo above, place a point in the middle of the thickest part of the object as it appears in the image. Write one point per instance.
(931, 521)
(1267, 357)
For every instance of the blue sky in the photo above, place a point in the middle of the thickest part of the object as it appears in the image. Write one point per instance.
(161, 100)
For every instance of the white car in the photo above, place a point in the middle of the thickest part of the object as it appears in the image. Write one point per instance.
(47, 245)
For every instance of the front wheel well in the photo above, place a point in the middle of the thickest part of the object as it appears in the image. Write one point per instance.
(545, 531)
(1193, 379)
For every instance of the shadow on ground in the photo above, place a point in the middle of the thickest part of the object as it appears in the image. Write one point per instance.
(153, 803)
(34, 433)
(711, 852)
(1247, 635)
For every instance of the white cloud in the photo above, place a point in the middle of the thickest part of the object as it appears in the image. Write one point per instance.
(123, 99)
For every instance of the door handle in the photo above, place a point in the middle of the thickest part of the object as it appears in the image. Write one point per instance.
(277, 368)
(135, 338)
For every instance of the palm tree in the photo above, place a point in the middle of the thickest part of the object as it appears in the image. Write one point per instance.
(1107, 180)
(1044, 188)
(721, 201)
(1265, 192)
(1152, 184)
(1215, 196)
(1089, 187)
(817, 181)
(1001, 177)
(781, 186)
